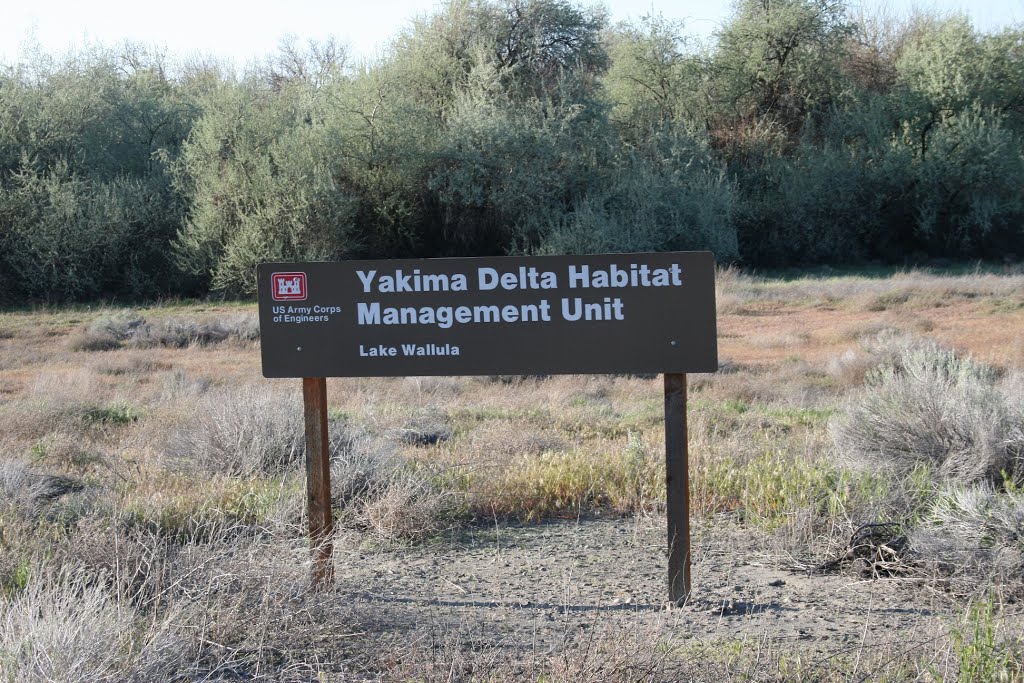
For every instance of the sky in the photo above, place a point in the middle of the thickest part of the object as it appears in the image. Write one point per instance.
(243, 30)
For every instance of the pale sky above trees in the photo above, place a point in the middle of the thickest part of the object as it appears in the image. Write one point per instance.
(244, 30)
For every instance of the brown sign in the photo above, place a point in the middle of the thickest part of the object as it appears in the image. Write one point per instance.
(605, 313)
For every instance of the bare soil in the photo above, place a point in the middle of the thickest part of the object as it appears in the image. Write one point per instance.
(540, 589)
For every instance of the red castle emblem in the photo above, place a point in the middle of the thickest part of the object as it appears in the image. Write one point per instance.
(288, 286)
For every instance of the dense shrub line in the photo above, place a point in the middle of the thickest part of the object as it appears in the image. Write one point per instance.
(511, 126)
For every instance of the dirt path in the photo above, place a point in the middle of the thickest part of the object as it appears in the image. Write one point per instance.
(542, 586)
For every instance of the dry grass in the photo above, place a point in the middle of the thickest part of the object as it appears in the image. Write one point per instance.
(62, 627)
(409, 507)
(127, 328)
(70, 403)
(131, 363)
(981, 312)
(495, 440)
(135, 608)
(608, 654)
(913, 290)
(976, 647)
(162, 475)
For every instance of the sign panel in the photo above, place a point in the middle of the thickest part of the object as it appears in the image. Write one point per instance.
(607, 313)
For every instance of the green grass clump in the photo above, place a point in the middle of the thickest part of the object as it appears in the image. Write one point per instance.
(762, 489)
(177, 505)
(570, 483)
(802, 416)
(113, 414)
(981, 652)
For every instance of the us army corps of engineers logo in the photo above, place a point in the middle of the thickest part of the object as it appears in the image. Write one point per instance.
(288, 286)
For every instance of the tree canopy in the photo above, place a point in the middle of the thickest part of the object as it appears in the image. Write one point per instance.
(800, 133)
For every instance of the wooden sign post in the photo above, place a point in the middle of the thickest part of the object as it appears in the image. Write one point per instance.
(515, 315)
(318, 480)
(677, 488)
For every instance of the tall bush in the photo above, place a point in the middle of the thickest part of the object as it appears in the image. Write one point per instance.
(505, 168)
(64, 237)
(86, 205)
(258, 168)
(670, 196)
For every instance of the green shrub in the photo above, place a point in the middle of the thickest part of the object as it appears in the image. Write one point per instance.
(505, 168)
(979, 647)
(67, 238)
(673, 196)
(263, 186)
